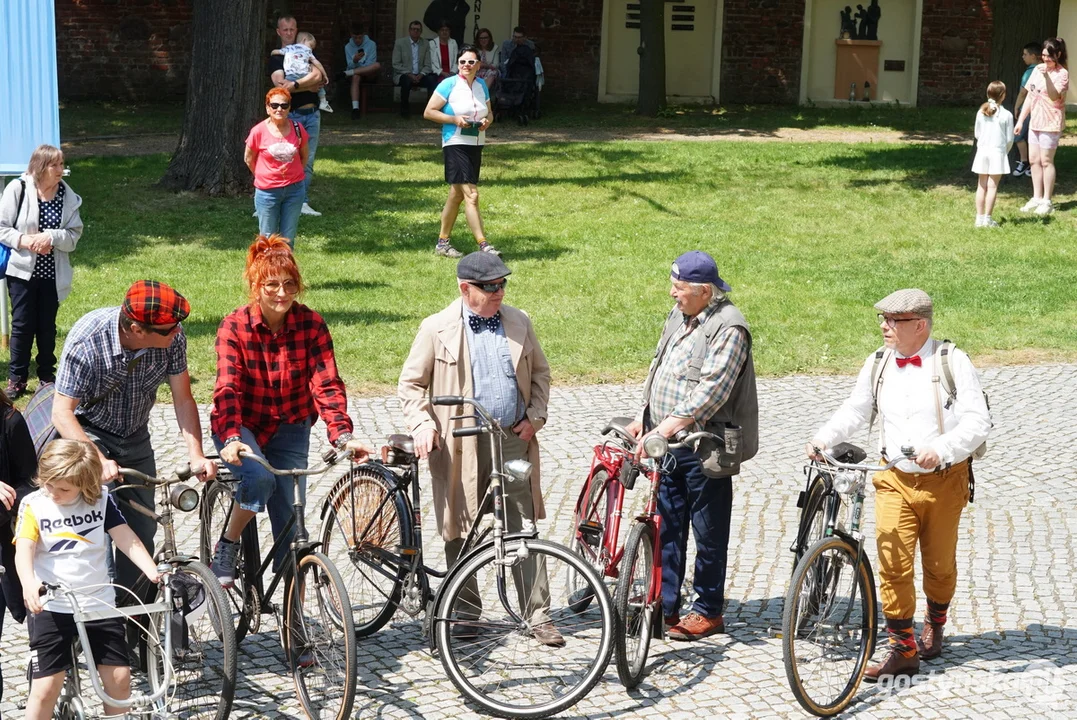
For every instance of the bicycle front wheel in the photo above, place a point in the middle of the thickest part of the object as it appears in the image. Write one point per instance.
(244, 608)
(203, 644)
(589, 531)
(812, 522)
(508, 636)
(319, 639)
(634, 607)
(361, 532)
(829, 626)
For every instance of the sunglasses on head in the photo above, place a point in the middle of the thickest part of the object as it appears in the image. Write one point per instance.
(279, 106)
(490, 287)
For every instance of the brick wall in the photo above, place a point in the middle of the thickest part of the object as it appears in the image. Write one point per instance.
(761, 51)
(955, 51)
(123, 48)
(568, 34)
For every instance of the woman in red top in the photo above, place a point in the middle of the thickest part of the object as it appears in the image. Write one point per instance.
(276, 153)
(276, 374)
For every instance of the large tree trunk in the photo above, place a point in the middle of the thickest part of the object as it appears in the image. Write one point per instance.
(1017, 23)
(652, 57)
(225, 95)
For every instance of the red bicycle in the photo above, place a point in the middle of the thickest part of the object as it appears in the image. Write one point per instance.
(637, 564)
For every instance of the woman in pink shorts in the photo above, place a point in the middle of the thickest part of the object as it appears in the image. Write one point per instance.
(1047, 103)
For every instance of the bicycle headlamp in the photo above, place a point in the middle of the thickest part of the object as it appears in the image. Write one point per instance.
(518, 470)
(844, 481)
(655, 446)
(183, 497)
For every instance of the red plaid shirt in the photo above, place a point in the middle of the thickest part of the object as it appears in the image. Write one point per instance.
(266, 380)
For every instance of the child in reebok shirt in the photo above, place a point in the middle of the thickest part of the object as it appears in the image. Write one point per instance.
(60, 536)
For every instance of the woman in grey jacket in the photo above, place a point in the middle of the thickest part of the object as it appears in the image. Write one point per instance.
(40, 222)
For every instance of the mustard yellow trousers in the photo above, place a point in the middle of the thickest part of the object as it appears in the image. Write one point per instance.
(918, 509)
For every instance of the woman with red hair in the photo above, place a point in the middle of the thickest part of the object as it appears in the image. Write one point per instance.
(276, 374)
(276, 153)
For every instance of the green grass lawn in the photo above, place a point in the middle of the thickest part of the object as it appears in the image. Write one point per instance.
(90, 119)
(809, 235)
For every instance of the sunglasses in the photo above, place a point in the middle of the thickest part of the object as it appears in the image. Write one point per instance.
(469, 62)
(273, 287)
(490, 287)
(279, 106)
(163, 332)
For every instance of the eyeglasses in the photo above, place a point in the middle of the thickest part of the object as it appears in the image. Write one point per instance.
(164, 332)
(490, 287)
(485, 37)
(892, 322)
(279, 106)
(469, 62)
(273, 287)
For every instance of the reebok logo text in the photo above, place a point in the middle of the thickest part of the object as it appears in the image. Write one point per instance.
(75, 521)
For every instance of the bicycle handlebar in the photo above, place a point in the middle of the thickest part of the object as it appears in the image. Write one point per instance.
(469, 431)
(907, 453)
(448, 400)
(692, 438)
(183, 473)
(295, 471)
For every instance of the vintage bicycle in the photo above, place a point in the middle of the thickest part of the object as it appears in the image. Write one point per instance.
(204, 648)
(830, 621)
(483, 618)
(316, 630)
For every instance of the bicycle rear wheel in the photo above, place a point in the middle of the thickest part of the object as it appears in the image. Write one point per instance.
(829, 626)
(203, 644)
(634, 609)
(362, 529)
(589, 536)
(319, 639)
(213, 517)
(494, 658)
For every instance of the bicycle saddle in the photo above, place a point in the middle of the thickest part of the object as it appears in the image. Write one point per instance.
(618, 425)
(402, 443)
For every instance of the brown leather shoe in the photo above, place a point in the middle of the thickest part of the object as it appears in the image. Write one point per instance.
(930, 642)
(548, 635)
(895, 664)
(696, 627)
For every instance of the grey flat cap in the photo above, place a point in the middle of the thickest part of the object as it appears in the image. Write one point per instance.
(482, 267)
(909, 300)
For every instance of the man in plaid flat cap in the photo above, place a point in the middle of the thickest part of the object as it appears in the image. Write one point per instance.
(113, 361)
(921, 499)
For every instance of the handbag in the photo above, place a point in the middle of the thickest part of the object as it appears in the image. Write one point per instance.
(38, 415)
(5, 251)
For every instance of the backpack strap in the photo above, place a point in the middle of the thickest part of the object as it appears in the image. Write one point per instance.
(298, 135)
(949, 387)
(882, 356)
(18, 204)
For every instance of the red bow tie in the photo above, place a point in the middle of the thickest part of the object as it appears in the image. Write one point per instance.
(914, 360)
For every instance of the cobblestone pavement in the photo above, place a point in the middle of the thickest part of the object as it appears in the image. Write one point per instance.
(1015, 609)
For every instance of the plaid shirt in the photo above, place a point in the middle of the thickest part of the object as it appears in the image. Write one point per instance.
(94, 364)
(265, 380)
(671, 393)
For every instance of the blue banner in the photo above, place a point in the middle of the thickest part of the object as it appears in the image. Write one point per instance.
(31, 116)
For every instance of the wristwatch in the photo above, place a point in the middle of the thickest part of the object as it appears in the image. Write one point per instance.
(343, 440)
(295, 83)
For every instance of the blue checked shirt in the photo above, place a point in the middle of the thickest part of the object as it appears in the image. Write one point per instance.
(672, 394)
(94, 363)
(492, 373)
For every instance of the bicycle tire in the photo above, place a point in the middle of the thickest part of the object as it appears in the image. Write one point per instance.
(811, 525)
(630, 601)
(216, 657)
(595, 507)
(216, 503)
(348, 511)
(319, 625)
(592, 643)
(819, 581)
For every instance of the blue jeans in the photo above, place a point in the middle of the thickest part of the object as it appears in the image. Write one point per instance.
(686, 498)
(312, 123)
(278, 210)
(258, 489)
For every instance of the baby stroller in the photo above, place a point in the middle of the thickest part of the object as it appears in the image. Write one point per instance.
(517, 94)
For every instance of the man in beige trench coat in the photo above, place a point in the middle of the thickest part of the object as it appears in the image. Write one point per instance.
(479, 348)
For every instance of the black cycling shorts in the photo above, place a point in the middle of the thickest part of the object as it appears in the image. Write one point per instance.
(462, 164)
(51, 634)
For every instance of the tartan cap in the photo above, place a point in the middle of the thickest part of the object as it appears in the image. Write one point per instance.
(150, 302)
(911, 300)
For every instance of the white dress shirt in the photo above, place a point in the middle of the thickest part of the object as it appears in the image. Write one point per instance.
(908, 410)
(415, 56)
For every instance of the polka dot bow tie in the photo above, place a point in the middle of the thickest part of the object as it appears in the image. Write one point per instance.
(478, 323)
(914, 360)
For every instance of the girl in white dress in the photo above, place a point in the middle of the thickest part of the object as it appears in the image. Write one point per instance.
(994, 137)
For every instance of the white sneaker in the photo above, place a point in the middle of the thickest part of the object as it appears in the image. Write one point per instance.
(254, 214)
(1031, 205)
(308, 210)
(1044, 208)
(988, 222)
(324, 106)
(979, 221)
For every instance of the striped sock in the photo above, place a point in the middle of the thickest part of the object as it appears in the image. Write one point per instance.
(901, 636)
(936, 612)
